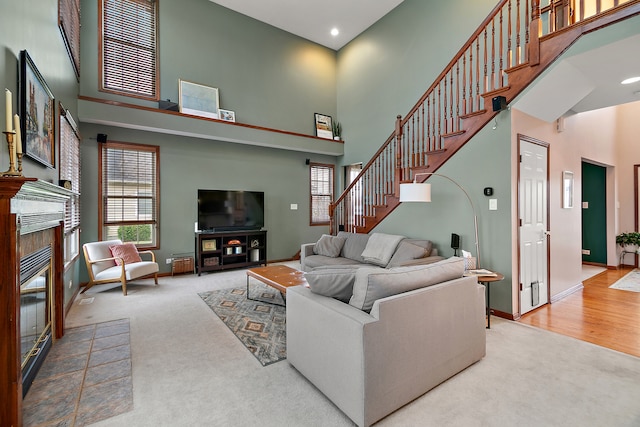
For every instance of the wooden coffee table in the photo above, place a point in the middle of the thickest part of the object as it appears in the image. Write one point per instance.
(279, 277)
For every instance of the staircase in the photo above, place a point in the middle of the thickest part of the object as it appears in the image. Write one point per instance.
(513, 45)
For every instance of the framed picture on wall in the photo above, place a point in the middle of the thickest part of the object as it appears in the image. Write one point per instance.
(198, 100)
(37, 113)
(227, 115)
(567, 189)
(324, 127)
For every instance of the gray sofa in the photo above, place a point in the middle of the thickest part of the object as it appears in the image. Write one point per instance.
(371, 363)
(346, 249)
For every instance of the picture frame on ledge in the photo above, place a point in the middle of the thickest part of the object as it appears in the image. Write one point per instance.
(324, 126)
(227, 115)
(198, 100)
(37, 113)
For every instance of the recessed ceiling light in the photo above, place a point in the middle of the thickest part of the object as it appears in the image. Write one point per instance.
(334, 32)
(630, 80)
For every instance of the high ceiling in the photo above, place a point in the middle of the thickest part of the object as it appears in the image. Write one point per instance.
(586, 81)
(314, 20)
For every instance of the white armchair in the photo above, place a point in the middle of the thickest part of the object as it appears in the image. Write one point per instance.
(104, 267)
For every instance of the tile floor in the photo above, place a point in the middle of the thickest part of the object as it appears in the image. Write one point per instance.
(85, 378)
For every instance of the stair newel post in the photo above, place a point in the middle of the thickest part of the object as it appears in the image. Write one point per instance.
(399, 171)
(534, 33)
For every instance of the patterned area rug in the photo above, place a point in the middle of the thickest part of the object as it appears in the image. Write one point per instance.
(260, 326)
(630, 282)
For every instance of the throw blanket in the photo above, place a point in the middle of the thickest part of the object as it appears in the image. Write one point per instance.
(380, 248)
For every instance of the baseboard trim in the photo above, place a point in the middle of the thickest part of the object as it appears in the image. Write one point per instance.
(504, 314)
(567, 292)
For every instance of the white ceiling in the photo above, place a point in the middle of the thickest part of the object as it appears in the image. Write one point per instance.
(314, 20)
(586, 81)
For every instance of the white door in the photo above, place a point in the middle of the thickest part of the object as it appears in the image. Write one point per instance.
(534, 269)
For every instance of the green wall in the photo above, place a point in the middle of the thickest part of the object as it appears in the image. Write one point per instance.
(267, 76)
(188, 164)
(594, 218)
(382, 73)
(33, 25)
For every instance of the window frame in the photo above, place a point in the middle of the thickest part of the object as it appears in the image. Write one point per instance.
(155, 86)
(314, 221)
(69, 24)
(102, 198)
(69, 169)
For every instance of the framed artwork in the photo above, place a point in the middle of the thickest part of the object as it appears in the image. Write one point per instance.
(567, 189)
(227, 115)
(324, 127)
(209, 245)
(37, 113)
(198, 100)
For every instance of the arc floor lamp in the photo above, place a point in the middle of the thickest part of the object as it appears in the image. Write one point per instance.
(421, 192)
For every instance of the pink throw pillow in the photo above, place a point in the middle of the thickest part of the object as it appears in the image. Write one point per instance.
(128, 252)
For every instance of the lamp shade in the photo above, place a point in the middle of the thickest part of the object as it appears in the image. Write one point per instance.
(415, 192)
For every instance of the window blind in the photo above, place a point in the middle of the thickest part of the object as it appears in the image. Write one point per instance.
(70, 167)
(321, 193)
(129, 48)
(69, 23)
(129, 192)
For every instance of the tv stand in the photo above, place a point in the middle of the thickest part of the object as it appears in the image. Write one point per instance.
(222, 250)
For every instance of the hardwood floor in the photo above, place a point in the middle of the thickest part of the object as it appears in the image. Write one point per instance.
(596, 314)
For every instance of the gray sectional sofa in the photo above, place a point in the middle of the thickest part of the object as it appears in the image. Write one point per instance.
(373, 339)
(347, 249)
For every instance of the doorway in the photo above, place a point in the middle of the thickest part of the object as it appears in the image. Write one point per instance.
(534, 219)
(594, 214)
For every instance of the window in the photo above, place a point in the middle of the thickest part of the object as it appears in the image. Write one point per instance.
(129, 193)
(70, 170)
(129, 57)
(321, 193)
(69, 23)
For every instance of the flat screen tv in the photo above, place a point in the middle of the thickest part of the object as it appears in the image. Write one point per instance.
(224, 210)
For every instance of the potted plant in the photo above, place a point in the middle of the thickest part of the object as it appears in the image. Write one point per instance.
(337, 130)
(629, 241)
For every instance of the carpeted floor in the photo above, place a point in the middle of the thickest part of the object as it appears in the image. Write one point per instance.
(188, 370)
(260, 326)
(630, 282)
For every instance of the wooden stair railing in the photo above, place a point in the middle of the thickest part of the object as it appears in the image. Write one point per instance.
(512, 46)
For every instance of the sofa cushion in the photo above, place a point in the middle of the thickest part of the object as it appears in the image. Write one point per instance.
(410, 249)
(370, 286)
(332, 282)
(127, 251)
(380, 248)
(329, 245)
(354, 245)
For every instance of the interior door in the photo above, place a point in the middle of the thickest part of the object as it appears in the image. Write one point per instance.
(594, 214)
(533, 229)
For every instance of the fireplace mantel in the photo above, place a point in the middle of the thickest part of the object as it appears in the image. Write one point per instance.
(28, 207)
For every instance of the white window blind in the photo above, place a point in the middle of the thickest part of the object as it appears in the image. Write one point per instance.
(129, 47)
(321, 193)
(69, 23)
(70, 167)
(129, 193)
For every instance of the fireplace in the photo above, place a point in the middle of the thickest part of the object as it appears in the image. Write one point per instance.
(32, 213)
(35, 313)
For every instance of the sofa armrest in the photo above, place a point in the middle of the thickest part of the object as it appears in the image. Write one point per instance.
(306, 249)
(324, 343)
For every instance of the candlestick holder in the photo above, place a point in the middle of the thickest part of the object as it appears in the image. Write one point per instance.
(12, 166)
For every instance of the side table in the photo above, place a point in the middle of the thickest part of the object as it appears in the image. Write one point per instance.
(486, 281)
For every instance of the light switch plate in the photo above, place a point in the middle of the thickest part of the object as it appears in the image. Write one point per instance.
(493, 204)
(294, 206)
